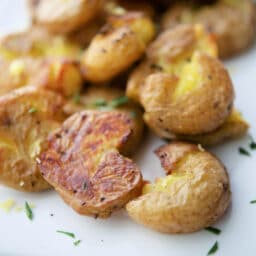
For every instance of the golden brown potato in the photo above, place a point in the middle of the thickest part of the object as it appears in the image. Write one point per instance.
(234, 127)
(37, 42)
(27, 116)
(57, 74)
(194, 194)
(105, 98)
(84, 163)
(170, 52)
(121, 42)
(190, 91)
(232, 21)
(63, 16)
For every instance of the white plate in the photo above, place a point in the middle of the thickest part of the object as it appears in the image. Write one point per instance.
(119, 234)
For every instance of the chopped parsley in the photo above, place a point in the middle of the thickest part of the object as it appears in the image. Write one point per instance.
(243, 151)
(253, 202)
(77, 98)
(72, 235)
(213, 230)
(253, 145)
(77, 242)
(28, 211)
(100, 103)
(214, 248)
(32, 110)
(119, 101)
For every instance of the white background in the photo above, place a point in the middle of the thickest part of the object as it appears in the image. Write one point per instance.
(120, 235)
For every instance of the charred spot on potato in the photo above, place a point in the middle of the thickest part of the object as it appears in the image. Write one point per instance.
(98, 174)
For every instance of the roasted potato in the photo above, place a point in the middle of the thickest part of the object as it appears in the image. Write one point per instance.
(234, 127)
(60, 16)
(190, 92)
(37, 42)
(194, 194)
(84, 162)
(57, 74)
(119, 44)
(170, 52)
(104, 98)
(27, 116)
(232, 22)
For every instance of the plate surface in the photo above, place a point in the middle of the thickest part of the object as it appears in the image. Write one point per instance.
(119, 234)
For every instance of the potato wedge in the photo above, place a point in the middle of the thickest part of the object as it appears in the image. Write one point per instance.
(84, 162)
(60, 16)
(27, 116)
(194, 194)
(57, 74)
(232, 21)
(121, 42)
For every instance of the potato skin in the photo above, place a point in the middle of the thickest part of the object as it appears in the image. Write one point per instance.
(121, 42)
(232, 23)
(27, 116)
(84, 165)
(198, 196)
(93, 93)
(63, 16)
(199, 111)
(234, 127)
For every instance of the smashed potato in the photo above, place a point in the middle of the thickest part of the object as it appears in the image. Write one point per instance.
(234, 127)
(27, 116)
(170, 52)
(190, 92)
(104, 98)
(37, 42)
(232, 21)
(194, 194)
(84, 162)
(119, 44)
(63, 16)
(60, 75)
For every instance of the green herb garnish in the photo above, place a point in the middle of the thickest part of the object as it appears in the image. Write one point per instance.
(119, 101)
(76, 243)
(243, 151)
(253, 145)
(77, 98)
(32, 110)
(66, 233)
(28, 211)
(133, 114)
(214, 248)
(213, 230)
(100, 103)
(253, 202)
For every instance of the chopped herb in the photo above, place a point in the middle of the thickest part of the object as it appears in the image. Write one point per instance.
(214, 248)
(253, 145)
(119, 101)
(76, 243)
(77, 98)
(85, 185)
(28, 211)
(106, 108)
(66, 233)
(100, 103)
(213, 230)
(32, 110)
(253, 202)
(243, 151)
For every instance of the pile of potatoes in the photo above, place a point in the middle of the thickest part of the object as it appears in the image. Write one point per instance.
(78, 87)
